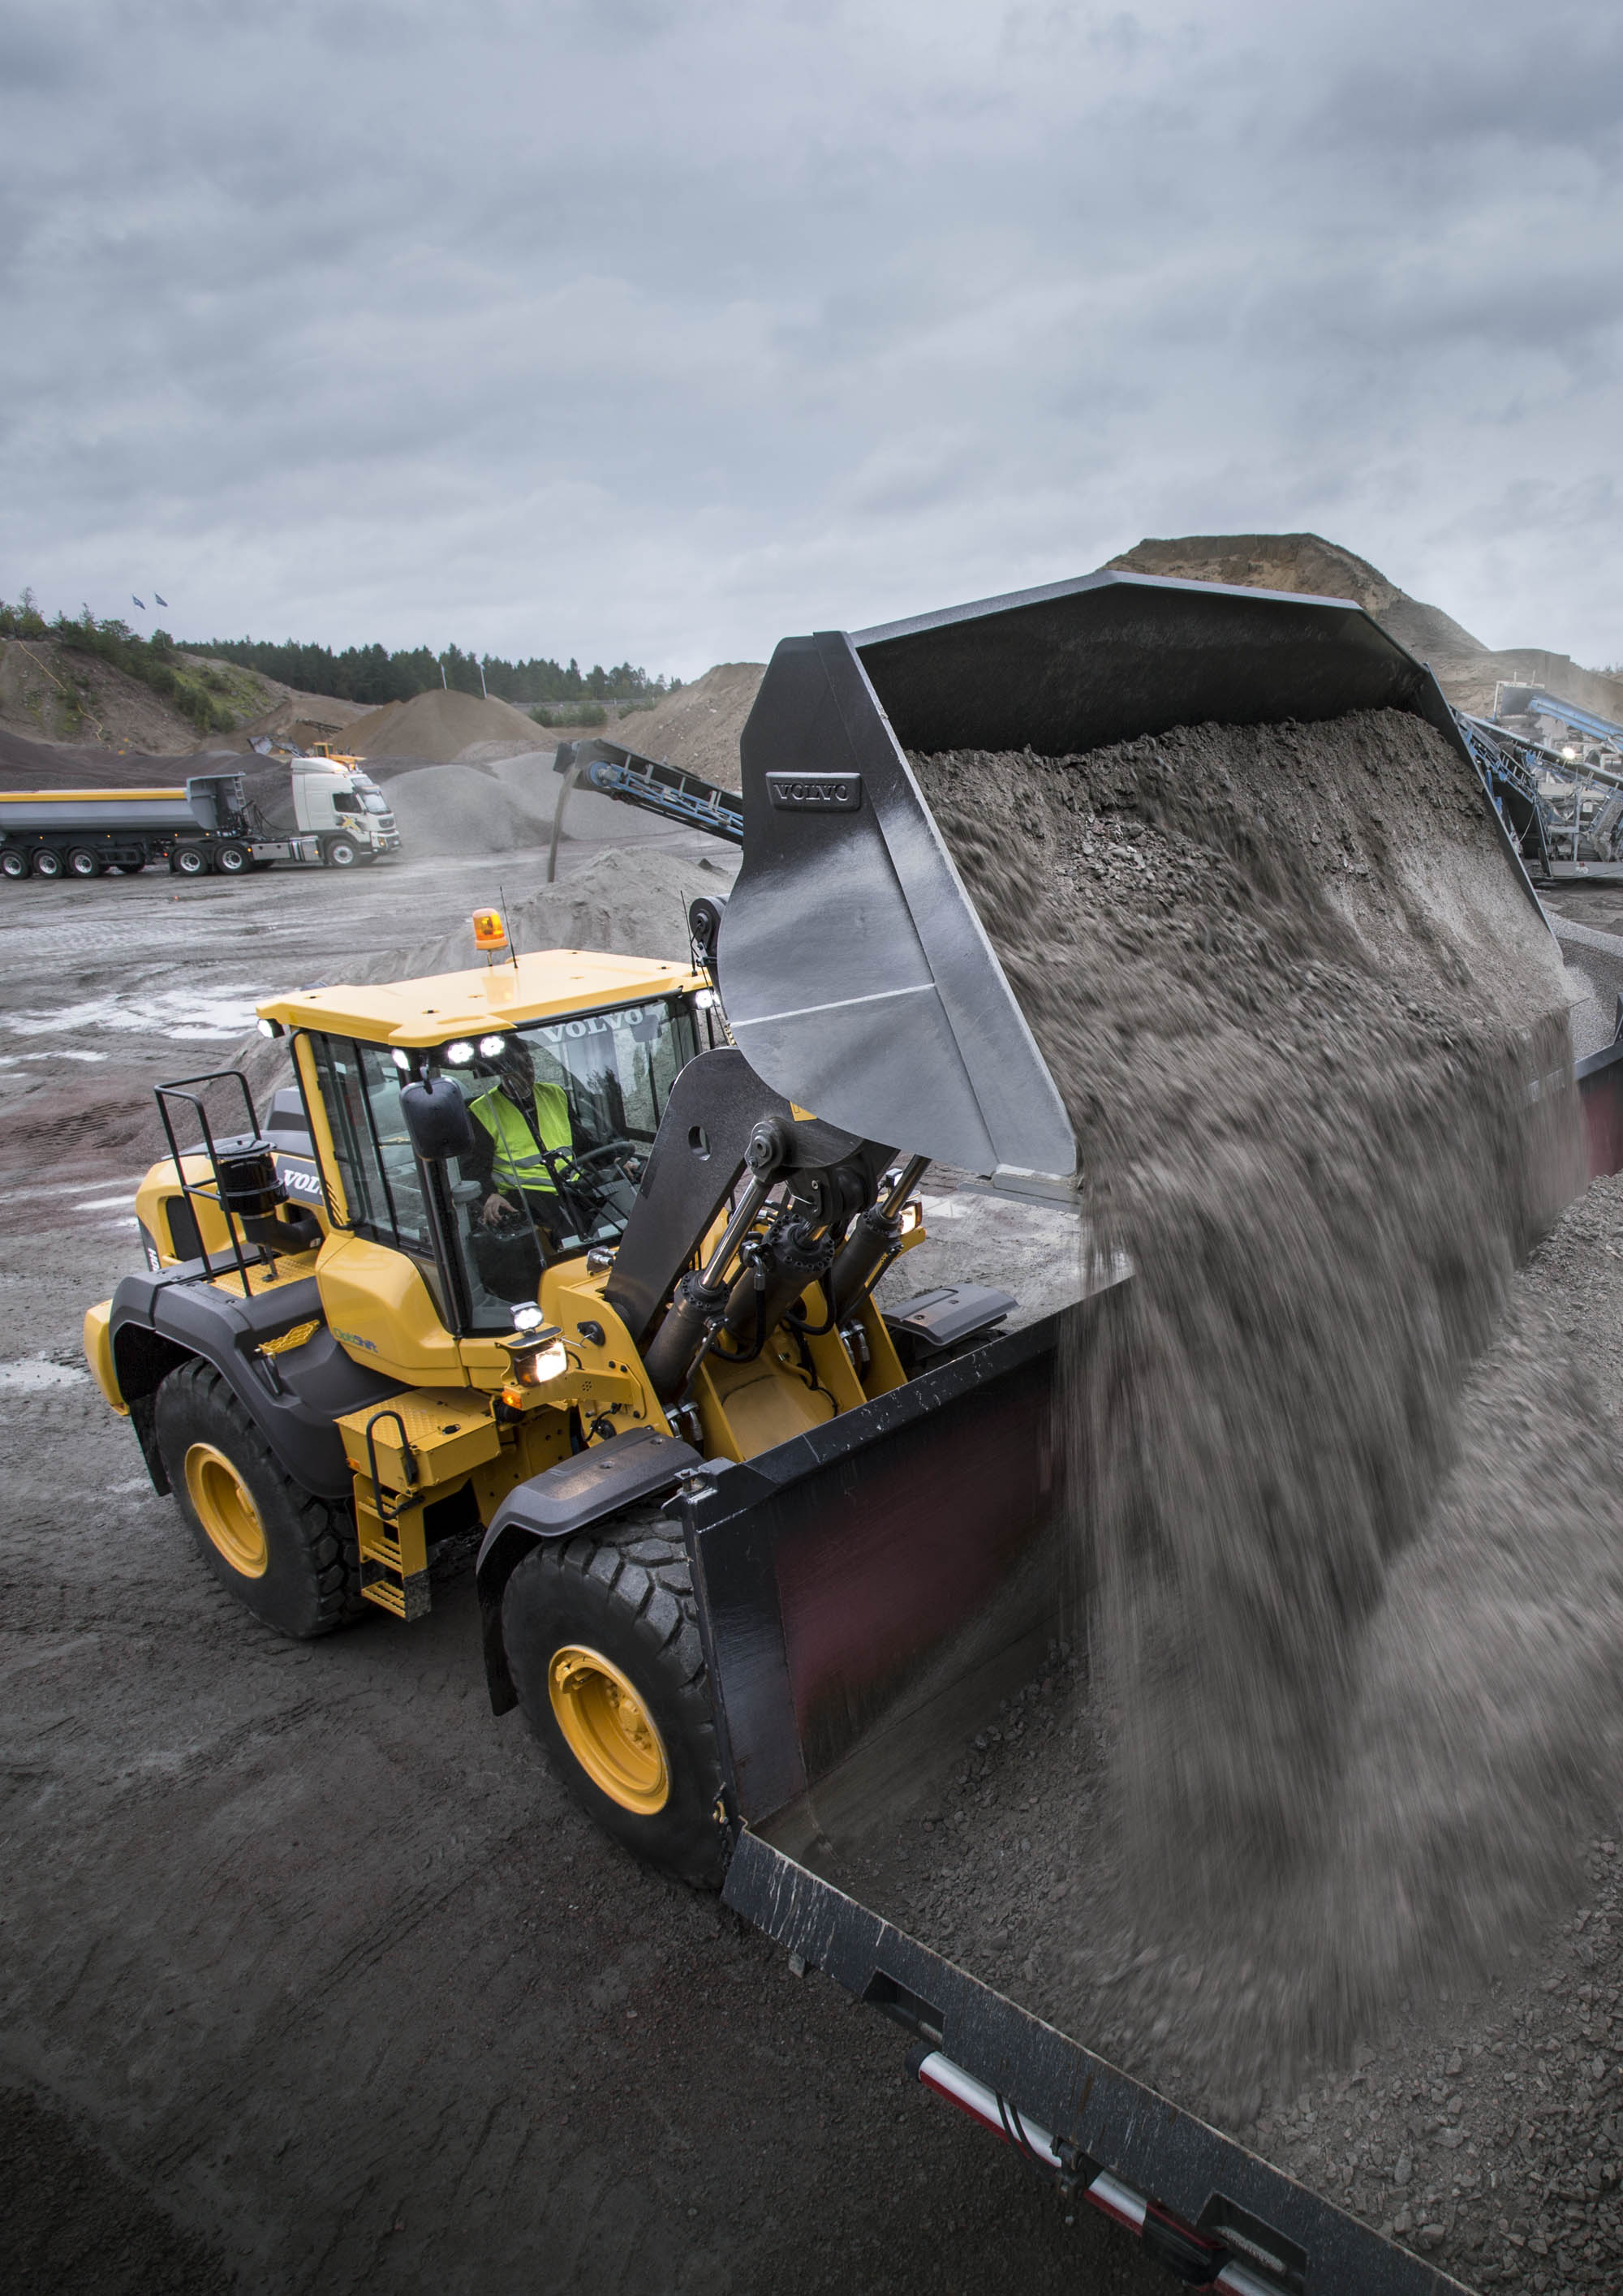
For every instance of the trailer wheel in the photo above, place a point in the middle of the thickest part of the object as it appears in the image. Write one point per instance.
(12, 864)
(287, 1556)
(189, 861)
(47, 862)
(231, 860)
(339, 853)
(82, 864)
(602, 1643)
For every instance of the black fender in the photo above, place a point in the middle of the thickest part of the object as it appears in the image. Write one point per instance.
(160, 1322)
(577, 1492)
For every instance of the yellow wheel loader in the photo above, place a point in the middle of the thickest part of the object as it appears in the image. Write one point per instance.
(570, 1254)
(523, 1248)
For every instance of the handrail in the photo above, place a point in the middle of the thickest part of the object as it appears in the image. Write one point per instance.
(179, 1090)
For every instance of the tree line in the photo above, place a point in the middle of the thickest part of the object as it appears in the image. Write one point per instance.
(369, 674)
(372, 675)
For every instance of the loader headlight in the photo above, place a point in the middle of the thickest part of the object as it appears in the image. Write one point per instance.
(402, 1059)
(271, 1028)
(459, 1055)
(535, 1355)
(491, 1048)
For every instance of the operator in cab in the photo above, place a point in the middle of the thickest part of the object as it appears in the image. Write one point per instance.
(518, 1119)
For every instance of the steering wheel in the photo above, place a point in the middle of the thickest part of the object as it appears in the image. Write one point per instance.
(592, 1171)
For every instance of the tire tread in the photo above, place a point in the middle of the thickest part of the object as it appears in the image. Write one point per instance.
(323, 1529)
(640, 1560)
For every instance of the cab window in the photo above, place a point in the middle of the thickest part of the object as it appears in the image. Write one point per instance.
(380, 1175)
(612, 1072)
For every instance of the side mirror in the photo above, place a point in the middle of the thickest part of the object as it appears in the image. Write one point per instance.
(438, 1121)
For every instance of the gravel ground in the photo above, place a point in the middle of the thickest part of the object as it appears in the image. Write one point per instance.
(309, 1977)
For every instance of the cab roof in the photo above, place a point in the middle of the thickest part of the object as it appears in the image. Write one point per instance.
(551, 984)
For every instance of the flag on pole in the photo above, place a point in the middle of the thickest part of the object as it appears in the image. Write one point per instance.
(162, 601)
(135, 601)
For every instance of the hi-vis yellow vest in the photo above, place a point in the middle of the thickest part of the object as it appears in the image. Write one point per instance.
(518, 1162)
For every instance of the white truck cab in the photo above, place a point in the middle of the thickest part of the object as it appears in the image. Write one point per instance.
(344, 808)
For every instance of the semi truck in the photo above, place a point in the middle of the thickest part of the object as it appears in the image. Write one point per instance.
(228, 824)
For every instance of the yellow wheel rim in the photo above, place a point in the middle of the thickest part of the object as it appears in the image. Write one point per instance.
(608, 1729)
(227, 1511)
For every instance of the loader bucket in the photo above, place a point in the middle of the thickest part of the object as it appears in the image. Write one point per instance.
(858, 979)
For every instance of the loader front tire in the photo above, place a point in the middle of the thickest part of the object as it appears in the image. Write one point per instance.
(289, 1557)
(603, 1643)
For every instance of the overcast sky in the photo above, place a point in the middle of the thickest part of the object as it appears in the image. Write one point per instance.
(637, 328)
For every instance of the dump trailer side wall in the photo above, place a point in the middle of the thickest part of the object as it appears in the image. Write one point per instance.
(51, 810)
(1105, 2118)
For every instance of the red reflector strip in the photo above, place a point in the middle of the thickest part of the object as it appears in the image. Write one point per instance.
(986, 2106)
(1107, 2193)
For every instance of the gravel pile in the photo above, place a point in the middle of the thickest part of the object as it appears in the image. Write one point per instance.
(697, 728)
(437, 727)
(631, 903)
(460, 808)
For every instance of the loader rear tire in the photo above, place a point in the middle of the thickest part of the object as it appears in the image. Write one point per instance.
(603, 1643)
(289, 1557)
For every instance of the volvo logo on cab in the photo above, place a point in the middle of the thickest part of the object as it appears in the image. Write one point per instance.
(815, 792)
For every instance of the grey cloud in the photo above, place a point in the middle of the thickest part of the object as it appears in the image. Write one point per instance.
(665, 329)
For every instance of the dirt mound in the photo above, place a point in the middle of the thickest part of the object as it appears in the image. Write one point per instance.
(631, 904)
(457, 808)
(27, 765)
(63, 765)
(1303, 562)
(1305, 1020)
(435, 727)
(52, 693)
(697, 728)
